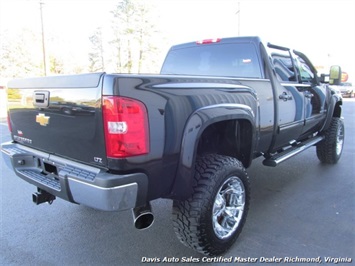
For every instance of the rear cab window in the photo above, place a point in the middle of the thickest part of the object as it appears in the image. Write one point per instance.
(217, 59)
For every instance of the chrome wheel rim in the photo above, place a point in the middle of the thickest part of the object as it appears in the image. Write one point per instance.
(340, 139)
(228, 207)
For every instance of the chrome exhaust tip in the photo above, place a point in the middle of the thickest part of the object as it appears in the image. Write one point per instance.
(143, 217)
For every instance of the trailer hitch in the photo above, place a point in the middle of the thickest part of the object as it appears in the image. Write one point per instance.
(42, 196)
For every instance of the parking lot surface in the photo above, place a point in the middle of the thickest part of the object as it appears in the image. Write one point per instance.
(300, 210)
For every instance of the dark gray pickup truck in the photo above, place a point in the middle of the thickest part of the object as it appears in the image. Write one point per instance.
(118, 141)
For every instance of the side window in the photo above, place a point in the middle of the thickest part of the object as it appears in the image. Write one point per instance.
(283, 66)
(306, 74)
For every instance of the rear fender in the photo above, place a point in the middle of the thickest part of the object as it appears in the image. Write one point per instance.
(194, 128)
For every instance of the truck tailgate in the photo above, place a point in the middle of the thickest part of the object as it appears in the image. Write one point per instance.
(59, 115)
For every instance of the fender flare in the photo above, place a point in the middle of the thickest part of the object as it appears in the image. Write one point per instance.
(194, 127)
(334, 100)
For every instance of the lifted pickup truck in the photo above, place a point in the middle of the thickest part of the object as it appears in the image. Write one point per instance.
(116, 141)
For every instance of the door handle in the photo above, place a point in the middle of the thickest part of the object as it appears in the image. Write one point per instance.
(285, 97)
(308, 95)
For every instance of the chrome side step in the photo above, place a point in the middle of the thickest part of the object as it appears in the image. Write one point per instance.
(292, 151)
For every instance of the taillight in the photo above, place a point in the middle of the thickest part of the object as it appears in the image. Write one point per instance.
(126, 127)
(207, 41)
(9, 122)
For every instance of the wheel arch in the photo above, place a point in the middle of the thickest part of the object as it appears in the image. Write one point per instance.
(232, 121)
(337, 109)
(334, 110)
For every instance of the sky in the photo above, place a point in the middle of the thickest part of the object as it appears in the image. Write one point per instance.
(323, 30)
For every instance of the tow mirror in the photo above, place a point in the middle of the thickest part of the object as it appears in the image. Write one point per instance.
(335, 75)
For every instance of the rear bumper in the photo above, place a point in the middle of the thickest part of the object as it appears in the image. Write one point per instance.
(76, 182)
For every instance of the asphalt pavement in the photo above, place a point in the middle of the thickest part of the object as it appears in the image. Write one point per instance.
(300, 211)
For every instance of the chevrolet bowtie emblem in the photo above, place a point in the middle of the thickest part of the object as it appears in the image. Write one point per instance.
(42, 119)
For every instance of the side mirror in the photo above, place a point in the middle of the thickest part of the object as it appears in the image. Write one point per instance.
(335, 75)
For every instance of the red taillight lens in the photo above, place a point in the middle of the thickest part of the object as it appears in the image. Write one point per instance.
(9, 122)
(126, 127)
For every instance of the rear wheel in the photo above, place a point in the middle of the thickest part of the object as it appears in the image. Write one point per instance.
(212, 218)
(330, 149)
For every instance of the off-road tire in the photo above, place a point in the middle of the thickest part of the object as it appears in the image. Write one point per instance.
(330, 149)
(197, 221)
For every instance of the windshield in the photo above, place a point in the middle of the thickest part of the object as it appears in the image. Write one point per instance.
(232, 60)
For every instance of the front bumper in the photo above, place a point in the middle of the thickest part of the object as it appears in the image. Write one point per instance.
(76, 182)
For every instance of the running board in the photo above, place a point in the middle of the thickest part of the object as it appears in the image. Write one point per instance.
(290, 152)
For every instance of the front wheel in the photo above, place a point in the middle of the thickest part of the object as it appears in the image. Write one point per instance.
(213, 217)
(330, 149)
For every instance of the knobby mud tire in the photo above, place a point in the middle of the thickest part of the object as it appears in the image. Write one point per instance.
(211, 220)
(330, 149)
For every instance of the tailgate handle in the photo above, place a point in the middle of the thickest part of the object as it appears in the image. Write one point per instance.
(41, 98)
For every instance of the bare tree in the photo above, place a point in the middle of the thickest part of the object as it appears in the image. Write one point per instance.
(17, 58)
(145, 32)
(133, 29)
(56, 65)
(96, 56)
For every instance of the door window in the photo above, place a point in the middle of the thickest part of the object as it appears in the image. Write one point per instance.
(305, 72)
